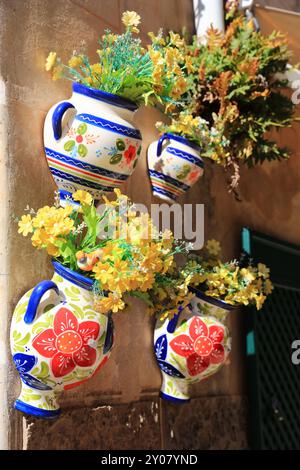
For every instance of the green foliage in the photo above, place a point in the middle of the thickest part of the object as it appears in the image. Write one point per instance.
(238, 74)
(237, 95)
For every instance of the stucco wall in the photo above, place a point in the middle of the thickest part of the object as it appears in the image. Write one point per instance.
(130, 381)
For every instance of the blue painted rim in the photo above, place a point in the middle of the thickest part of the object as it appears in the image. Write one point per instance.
(110, 126)
(169, 179)
(183, 140)
(211, 300)
(186, 156)
(76, 179)
(165, 396)
(104, 96)
(38, 412)
(72, 276)
(83, 165)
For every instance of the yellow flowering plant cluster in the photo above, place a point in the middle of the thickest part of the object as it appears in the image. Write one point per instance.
(144, 75)
(121, 250)
(169, 293)
(234, 96)
(170, 69)
(235, 282)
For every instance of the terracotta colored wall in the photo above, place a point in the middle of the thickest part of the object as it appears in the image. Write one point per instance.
(136, 418)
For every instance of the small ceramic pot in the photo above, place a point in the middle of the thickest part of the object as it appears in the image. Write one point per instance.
(174, 165)
(57, 340)
(192, 346)
(90, 141)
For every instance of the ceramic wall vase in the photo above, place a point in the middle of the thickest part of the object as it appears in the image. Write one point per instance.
(90, 141)
(192, 346)
(174, 165)
(57, 340)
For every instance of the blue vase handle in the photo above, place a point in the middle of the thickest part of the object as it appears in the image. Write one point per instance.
(35, 299)
(57, 116)
(173, 322)
(160, 143)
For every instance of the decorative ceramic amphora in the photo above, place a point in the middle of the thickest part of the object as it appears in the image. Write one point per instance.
(174, 165)
(57, 340)
(90, 141)
(192, 346)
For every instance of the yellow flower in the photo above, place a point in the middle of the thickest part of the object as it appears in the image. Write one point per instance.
(75, 61)
(25, 225)
(179, 87)
(247, 275)
(50, 61)
(159, 40)
(263, 270)
(176, 40)
(96, 68)
(83, 197)
(59, 225)
(213, 247)
(268, 286)
(189, 64)
(111, 303)
(42, 215)
(156, 57)
(157, 74)
(111, 38)
(131, 20)
(41, 237)
(57, 73)
(260, 301)
(52, 250)
(67, 210)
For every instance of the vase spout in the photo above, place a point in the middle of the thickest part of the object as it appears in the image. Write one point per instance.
(174, 389)
(39, 403)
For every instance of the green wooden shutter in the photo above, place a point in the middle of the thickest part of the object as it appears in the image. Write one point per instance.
(274, 382)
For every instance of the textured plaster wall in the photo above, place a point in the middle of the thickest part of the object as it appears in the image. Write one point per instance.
(130, 381)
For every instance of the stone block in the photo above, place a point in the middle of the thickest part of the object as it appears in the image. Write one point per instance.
(131, 426)
(207, 423)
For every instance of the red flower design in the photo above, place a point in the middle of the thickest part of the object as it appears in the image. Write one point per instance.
(194, 175)
(202, 347)
(67, 343)
(75, 384)
(130, 154)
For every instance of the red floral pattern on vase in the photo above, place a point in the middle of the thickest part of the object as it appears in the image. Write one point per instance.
(130, 154)
(194, 175)
(67, 343)
(202, 347)
(75, 384)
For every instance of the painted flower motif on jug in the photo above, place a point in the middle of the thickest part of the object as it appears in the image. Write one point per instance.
(185, 173)
(24, 364)
(68, 343)
(202, 347)
(123, 153)
(79, 139)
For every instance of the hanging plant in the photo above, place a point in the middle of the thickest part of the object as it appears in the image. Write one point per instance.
(235, 96)
(119, 251)
(191, 302)
(124, 67)
(233, 282)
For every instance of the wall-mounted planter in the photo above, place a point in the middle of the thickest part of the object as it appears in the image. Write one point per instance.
(57, 340)
(174, 165)
(192, 346)
(90, 141)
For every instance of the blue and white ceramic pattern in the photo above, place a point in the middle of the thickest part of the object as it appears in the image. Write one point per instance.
(58, 340)
(90, 141)
(174, 165)
(192, 346)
